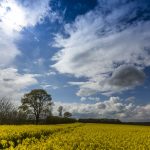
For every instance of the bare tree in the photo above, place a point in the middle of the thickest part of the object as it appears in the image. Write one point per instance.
(6, 110)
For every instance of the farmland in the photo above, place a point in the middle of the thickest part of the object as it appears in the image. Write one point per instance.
(75, 137)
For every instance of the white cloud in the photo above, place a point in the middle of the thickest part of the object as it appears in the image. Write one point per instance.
(90, 99)
(13, 83)
(98, 44)
(51, 73)
(130, 99)
(83, 99)
(49, 86)
(14, 17)
(8, 49)
(39, 61)
(114, 107)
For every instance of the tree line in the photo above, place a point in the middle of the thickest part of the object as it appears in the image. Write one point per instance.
(36, 107)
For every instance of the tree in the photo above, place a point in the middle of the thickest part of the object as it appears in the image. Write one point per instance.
(6, 110)
(67, 114)
(60, 109)
(36, 102)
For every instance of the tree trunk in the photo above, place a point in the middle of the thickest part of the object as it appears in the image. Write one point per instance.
(37, 119)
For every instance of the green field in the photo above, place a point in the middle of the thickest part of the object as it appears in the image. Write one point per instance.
(75, 137)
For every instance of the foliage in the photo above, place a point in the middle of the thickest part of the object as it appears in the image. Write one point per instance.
(67, 114)
(59, 120)
(36, 102)
(103, 120)
(60, 109)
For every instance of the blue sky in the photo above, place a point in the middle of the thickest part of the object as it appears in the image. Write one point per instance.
(92, 56)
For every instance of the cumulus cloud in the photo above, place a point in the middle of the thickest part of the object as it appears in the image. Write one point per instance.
(98, 109)
(12, 83)
(101, 42)
(114, 107)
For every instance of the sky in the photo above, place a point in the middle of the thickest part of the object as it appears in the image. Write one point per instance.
(92, 56)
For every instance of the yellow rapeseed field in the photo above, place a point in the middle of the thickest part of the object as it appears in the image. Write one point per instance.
(75, 137)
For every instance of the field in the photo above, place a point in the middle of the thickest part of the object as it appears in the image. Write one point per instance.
(75, 137)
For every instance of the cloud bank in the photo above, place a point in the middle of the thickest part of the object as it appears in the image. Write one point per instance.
(108, 46)
(114, 107)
